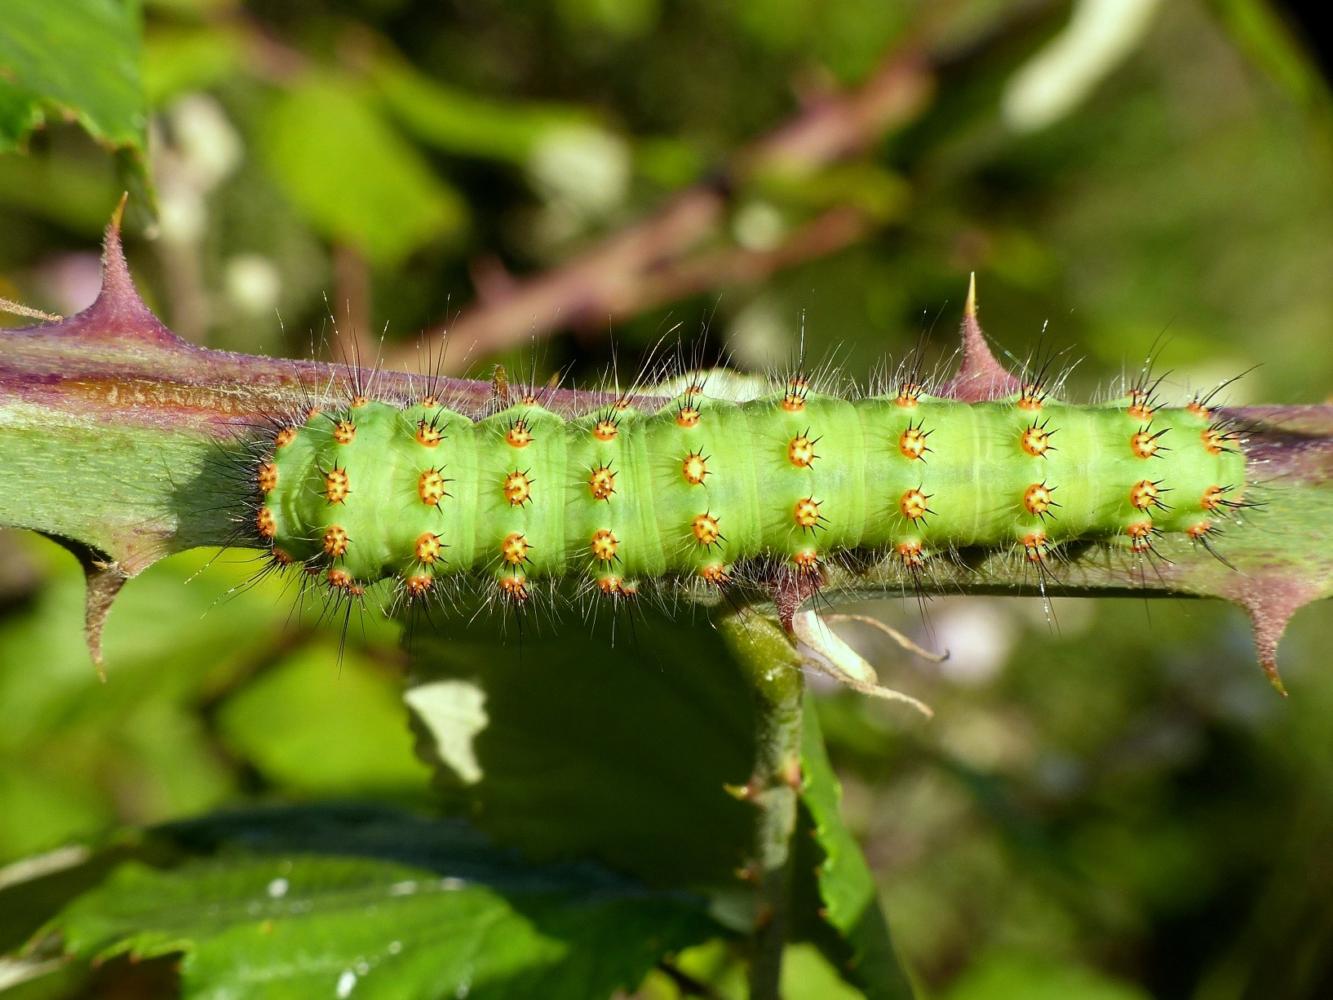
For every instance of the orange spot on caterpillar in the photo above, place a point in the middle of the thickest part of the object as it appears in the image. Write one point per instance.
(1196, 407)
(914, 505)
(515, 587)
(605, 430)
(694, 468)
(1212, 498)
(514, 549)
(1145, 494)
(1214, 441)
(430, 487)
(312, 413)
(519, 434)
(911, 554)
(1141, 535)
(609, 584)
(517, 488)
(281, 556)
(909, 394)
(340, 578)
(793, 400)
(801, 451)
(429, 400)
(344, 432)
(337, 484)
(265, 522)
(687, 416)
(807, 560)
(706, 529)
(428, 434)
(1143, 442)
(417, 584)
(602, 483)
(1035, 546)
(335, 540)
(284, 437)
(528, 399)
(1036, 439)
(428, 548)
(1140, 405)
(604, 544)
(1199, 528)
(1032, 397)
(359, 401)
(912, 443)
(715, 574)
(267, 477)
(806, 512)
(1037, 499)
(621, 404)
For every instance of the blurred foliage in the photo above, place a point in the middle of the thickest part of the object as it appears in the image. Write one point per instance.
(1109, 804)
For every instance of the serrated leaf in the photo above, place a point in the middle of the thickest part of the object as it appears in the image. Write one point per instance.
(353, 177)
(367, 902)
(570, 746)
(74, 59)
(861, 947)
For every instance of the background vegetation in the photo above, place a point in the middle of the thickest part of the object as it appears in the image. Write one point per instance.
(1117, 806)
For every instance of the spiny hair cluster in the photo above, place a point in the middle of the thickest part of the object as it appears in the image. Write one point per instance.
(717, 493)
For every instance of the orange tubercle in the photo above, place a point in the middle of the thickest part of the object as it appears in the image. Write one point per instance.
(801, 451)
(428, 548)
(430, 487)
(687, 416)
(284, 437)
(694, 468)
(267, 477)
(602, 483)
(604, 544)
(514, 549)
(706, 529)
(417, 584)
(912, 443)
(519, 434)
(1036, 440)
(1145, 495)
(335, 541)
(806, 512)
(911, 554)
(517, 488)
(344, 432)
(1037, 499)
(514, 587)
(337, 484)
(605, 430)
(428, 434)
(914, 505)
(265, 523)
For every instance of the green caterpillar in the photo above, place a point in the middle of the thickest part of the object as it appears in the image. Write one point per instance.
(709, 489)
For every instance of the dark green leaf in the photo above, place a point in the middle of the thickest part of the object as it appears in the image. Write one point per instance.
(365, 902)
(572, 746)
(860, 946)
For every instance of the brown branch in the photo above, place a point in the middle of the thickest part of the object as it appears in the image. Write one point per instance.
(650, 262)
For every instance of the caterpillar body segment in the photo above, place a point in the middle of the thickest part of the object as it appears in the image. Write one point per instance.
(703, 488)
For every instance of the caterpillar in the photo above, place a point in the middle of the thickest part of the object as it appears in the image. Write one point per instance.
(712, 491)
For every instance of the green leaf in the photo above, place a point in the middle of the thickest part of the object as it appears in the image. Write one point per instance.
(459, 122)
(860, 946)
(571, 746)
(366, 902)
(284, 721)
(353, 177)
(74, 59)
(998, 976)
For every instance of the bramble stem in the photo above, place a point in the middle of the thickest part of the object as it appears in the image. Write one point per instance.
(772, 671)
